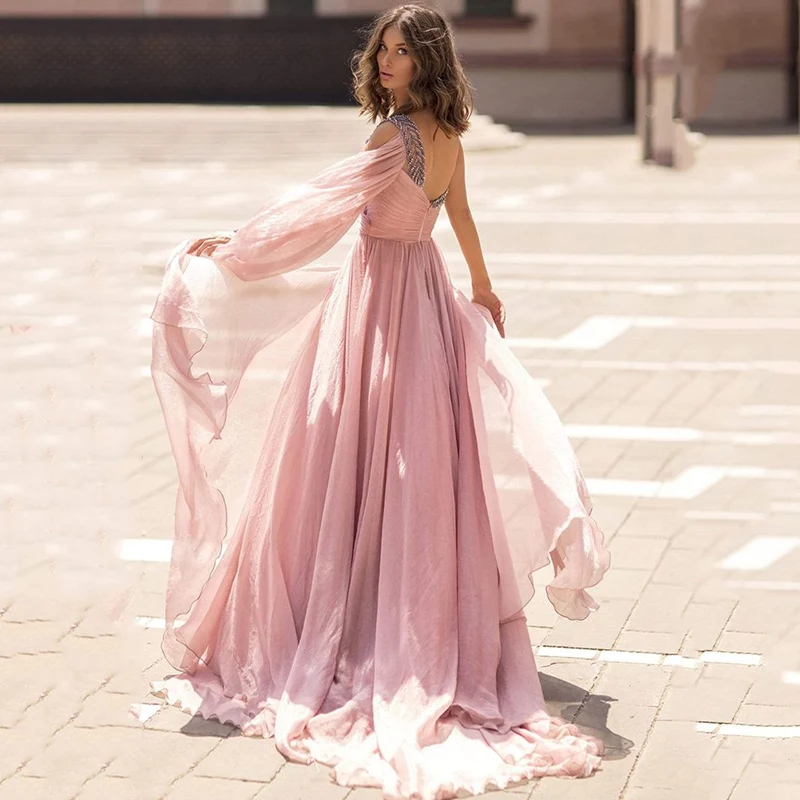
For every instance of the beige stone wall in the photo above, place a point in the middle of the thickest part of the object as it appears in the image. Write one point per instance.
(331, 8)
(577, 25)
(131, 8)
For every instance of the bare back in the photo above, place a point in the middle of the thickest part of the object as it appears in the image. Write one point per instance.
(441, 154)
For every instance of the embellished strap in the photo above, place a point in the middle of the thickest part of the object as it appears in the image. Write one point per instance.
(415, 152)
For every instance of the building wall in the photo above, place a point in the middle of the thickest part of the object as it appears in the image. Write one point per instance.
(554, 61)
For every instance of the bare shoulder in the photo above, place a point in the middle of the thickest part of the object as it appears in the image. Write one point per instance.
(382, 134)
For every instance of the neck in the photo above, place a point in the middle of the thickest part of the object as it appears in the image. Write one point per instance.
(400, 97)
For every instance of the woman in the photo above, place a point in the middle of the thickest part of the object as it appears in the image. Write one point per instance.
(341, 577)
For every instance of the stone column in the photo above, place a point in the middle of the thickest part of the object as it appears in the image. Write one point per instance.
(664, 136)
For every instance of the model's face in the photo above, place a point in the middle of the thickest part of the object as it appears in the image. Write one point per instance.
(395, 64)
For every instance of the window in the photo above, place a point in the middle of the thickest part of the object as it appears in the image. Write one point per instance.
(490, 8)
(291, 8)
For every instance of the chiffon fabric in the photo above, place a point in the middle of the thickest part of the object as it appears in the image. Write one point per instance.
(342, 576)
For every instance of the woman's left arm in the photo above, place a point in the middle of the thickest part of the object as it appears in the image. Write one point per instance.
(460, 216)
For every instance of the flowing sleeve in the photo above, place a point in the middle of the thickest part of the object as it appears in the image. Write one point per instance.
(215, 322)
(308, 221)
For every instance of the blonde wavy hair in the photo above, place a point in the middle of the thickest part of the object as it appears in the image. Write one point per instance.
(439, 82)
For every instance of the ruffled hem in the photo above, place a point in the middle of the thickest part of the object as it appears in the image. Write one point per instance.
(545, 747)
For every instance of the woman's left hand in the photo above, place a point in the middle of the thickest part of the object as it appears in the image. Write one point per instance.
(488, 299)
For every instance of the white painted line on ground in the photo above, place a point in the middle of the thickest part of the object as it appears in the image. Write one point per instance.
(652, 659)
(776, 367)
(600, 330)
(100, 199)
(152, 622)
(156, 623)
(22, 299)
(614, 260)
(760, 731)
(14, 216)
(630, 657)
(742, 659)
(681, 661)
(765, 586)
(567, 652)
(687, 485)
(34, 350)
(656, 433)
(73, 234)
(707, 727)
(158, 550)
(791, 677)
(760, 553)
(785, 508)
(725, 516)
(770, 411)
(579, 216)
(647, 288)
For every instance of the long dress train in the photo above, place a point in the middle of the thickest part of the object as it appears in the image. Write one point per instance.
(342, 577)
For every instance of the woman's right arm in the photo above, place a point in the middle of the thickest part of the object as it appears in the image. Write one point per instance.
(463, 225)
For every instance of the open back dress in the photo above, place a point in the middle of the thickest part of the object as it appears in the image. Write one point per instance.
(344, 575)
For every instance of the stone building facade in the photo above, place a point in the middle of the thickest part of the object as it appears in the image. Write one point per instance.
(548, 62)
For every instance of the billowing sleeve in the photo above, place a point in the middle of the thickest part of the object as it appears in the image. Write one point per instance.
(213, 323)
(308, 221)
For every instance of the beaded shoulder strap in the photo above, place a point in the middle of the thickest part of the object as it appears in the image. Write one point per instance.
(415, 152)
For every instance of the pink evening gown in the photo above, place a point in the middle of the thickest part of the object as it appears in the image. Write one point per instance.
(343, 577)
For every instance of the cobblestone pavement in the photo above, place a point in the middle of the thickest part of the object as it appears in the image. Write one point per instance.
(660, 312)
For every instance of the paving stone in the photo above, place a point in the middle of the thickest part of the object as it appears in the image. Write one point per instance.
(103, 787)
(621, 583)
(659, 609)
(599, 630)
(677, 763)
(756, 777)
(303, 782)
(158, 758)
(708, 700)
(19, 788)
(649, 642)
(736, 642)
(244, 758)
(191, 788)
(751, 714)
(639, 553)
(704, 623)
(635, 684)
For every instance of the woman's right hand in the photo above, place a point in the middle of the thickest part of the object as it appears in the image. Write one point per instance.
(206, 246)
